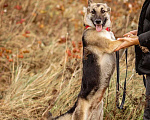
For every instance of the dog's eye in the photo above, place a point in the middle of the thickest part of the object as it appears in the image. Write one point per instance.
(93, 11)
(103, 11)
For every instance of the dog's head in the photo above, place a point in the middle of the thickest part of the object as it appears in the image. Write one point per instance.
(97, 15)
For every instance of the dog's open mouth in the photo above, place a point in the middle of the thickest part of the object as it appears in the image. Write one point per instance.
(98, 28)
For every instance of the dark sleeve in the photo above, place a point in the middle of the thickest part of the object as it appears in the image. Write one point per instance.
(144, 39)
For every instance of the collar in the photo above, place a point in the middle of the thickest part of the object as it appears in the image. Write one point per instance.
(108, 28)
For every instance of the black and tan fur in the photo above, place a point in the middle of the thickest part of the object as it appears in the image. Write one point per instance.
(98, 65)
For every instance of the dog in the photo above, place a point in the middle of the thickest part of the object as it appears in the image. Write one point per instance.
(98, 64)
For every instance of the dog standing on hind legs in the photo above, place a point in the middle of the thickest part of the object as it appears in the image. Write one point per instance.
(98, 64)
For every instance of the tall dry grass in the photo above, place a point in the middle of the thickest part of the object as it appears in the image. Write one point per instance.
(41, 58)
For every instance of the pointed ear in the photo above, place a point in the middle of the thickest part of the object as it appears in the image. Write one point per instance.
(89, 2)
(109, 9)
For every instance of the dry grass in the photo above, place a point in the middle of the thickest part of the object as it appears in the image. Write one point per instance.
(42, 74)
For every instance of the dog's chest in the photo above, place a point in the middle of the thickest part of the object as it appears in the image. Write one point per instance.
(106, 34)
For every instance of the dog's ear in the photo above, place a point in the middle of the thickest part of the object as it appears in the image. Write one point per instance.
(89, 2)
(108, 9)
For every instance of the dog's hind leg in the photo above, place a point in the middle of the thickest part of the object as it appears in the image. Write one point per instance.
(96, 108)
(107, 63)
(81, 111)
(97, 113)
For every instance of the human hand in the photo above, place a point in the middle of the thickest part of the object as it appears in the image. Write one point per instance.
(127, 42)
(134, 32)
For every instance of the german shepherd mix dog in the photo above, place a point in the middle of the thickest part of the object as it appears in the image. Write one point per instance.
(98, 64)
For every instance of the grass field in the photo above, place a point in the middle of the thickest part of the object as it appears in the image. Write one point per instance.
(41, 58)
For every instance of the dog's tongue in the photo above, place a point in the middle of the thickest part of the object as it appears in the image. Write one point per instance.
(98, 28)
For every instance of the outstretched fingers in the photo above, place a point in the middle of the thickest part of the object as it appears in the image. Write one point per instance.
(122, 45)
(121, 39)
(131, 33)
(118, 48)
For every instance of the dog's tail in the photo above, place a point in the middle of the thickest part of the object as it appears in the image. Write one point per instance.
(48, 116)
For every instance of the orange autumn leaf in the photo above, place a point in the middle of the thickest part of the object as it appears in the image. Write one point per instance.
(73, 44)
(10, 60)
(74, 50)
(18, 7)
(3, 49)
(74, 56)
(39, 42)
(0, 54)
(21, 21)
(78, 57)
(20, 56)
(62, 39)
(69, 52)
(10, 51)
(7, 51)
(25, 35)
(26, 51)
(27, 32)
(34, 14)
(79, 44)
(41, 26)
(7, 56)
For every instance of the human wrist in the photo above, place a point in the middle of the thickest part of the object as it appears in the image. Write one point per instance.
(136, 41)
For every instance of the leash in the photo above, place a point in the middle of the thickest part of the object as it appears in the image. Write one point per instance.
(118, 79)
(144, 81)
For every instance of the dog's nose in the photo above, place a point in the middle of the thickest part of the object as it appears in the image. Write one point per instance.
(98, 21)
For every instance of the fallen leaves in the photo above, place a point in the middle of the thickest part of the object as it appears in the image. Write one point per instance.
(69, 52)
(9, 55)
(62, 39)
(10, 60)
(73, 44)
(18, 7)
(75, 52)
(25, 35)
(41, 26)
(20, 56)
(21, 21)
(39, 42)
(27, 32)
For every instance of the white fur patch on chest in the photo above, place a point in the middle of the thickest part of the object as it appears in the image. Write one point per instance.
(106, 34)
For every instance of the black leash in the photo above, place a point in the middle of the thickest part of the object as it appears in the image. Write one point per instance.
(144, 81)
(117, 84)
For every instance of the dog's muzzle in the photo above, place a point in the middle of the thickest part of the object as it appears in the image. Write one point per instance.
(98, 21)
(98, 25)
